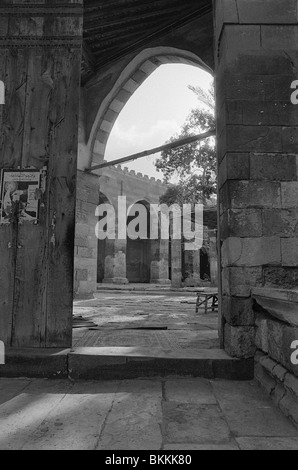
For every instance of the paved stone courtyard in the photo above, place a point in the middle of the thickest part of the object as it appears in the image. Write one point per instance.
(160, 319)
(169, 414)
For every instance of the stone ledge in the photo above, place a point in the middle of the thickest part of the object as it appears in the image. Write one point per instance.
(36, 363)
(124, 363)
(280, 303)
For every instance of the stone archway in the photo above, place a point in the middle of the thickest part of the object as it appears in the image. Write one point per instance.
(131, 78)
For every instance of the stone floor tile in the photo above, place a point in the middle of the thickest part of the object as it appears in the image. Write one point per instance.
(196, 424)
(77, 420)
(134, 422)
(197, 391)
(268, 443)
(250, 412)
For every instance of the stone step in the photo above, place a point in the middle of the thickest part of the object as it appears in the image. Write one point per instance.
(108, 363)
(134, 362)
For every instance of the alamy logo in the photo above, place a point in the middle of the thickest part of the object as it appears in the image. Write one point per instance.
(294, 356)
(2, 93)
(294, 95)
(157, 222)
(2, 353)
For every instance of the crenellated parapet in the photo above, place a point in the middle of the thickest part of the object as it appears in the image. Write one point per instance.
(132, 173)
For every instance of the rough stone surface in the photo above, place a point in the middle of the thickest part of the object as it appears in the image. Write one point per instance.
(239, 281)
(289, 194)
(281, 167)
(275, 276)
(234, 167)
(251, 251)
(281, 223)
(261, 337)
(289, 251)
(280, 384)
(239, 341)
(250, 194)
(238, 311)
(241, 223)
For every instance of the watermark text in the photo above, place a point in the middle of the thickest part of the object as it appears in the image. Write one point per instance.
(2, 353)
(157, 222)
(294, 356)
(2, 93)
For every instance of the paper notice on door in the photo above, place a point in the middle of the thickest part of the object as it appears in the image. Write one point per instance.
(18, 195)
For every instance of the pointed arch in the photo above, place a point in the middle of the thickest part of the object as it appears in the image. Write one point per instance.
(138, 70)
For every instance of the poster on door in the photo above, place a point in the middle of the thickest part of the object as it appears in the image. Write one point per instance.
(18, 194)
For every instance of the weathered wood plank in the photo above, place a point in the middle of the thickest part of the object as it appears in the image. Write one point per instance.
(6, 254)
(13, 113)
(62, 181)
(7, 233)
(7, 272)
(31, 274)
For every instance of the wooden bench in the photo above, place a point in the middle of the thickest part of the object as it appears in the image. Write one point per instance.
(203, 298)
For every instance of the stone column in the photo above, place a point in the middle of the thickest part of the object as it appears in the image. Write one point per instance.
(40, 64)
(256, 62)
(115, 262)
(160, 262)
(176, 263)
(197, 267)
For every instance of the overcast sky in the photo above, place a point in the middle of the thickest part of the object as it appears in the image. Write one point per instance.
(154, 113)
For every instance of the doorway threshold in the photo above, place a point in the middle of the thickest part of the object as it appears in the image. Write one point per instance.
(122, 363)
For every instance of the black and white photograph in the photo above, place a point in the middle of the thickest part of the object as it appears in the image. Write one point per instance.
(149, 228)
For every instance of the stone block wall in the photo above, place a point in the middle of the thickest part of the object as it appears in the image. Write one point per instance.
(276, 330)
(256, 62)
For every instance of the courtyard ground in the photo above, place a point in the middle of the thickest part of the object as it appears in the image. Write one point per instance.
(161, 414)
(149, 317)
(158, 413)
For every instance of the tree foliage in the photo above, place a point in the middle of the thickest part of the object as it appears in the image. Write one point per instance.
(192, 167)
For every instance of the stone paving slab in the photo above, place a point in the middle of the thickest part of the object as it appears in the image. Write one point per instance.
(135, 418)
(76, 419)
(267, 443)
(23, 414)
(198, 447)
(140, 415)
(199, 424)
(193, 391)
(250, 414)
